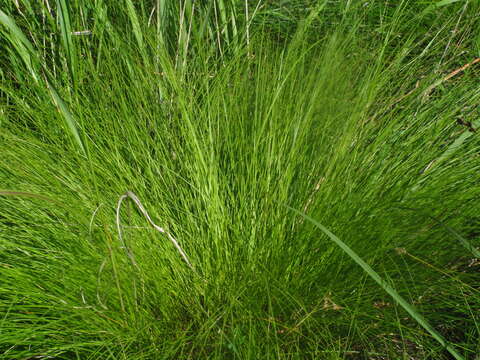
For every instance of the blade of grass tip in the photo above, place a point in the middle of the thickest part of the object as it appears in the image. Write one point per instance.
(390, 290)
(182, 36)
(66, 36)
(20, 43)
(70, 121)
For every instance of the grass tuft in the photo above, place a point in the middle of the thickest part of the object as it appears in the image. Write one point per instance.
(215, 115)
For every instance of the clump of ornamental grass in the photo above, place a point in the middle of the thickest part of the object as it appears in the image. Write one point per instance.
(235, 180)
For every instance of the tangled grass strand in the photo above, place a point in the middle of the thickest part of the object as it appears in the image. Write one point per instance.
(137, 201)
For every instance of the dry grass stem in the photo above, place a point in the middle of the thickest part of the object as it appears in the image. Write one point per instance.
(136, 200)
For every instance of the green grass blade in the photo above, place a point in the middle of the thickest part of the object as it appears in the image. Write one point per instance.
(137, 30)
(70, 121)
(457, 143)
(25, 49)
(20, 42)
(66, 36)
(161, 20)
(9, 23)
(223, 20)
(390, 290)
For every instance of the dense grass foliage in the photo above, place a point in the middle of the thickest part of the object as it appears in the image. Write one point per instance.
(223, 116)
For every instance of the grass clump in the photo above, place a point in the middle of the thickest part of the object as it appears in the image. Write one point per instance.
(217, 117)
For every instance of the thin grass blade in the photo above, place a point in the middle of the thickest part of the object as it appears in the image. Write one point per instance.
(459, 237)
(457, 143)
(20, 42)
(14, 193)
(137, 30)
(439, 4)
(66, 36)
(67, 115)
(390, 290)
